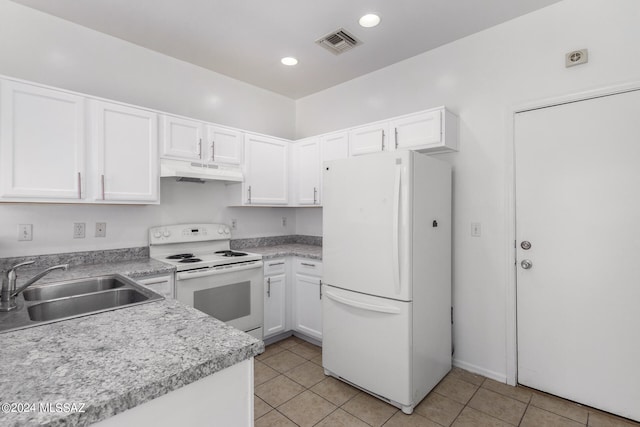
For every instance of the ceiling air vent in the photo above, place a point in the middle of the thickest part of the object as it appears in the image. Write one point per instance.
(338, 41)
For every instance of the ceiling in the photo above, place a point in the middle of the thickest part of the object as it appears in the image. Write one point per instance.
(245, 39)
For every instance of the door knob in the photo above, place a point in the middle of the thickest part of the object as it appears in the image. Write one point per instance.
(526, 264)
(525, 245)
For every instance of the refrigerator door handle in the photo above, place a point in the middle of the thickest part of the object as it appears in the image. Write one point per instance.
(395, 262)
(362, 305)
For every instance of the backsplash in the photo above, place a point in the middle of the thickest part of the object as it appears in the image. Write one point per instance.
(238, 244)
(78, 258)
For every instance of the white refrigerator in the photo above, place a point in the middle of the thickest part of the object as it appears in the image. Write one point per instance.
(386, 289)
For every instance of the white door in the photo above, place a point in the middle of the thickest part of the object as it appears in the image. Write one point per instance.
(224, 145)
(367, 341)
(369, 139)
(181, 138)
(308, 305)
(274, 304)
(365, 224)
(578, 204)
(266, 165)
(307, 167)
(41, 143)
(126, 151)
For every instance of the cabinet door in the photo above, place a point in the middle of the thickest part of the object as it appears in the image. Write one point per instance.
(308, 305)
(418, 131)
(307, 169)
(368, 139)
(334, 146)
(274, 304)
(41, 143)
(223, 146)
(181, 138)
(266, 166)
(125, 141)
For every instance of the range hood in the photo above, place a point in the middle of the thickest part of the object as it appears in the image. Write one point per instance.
(194, 171)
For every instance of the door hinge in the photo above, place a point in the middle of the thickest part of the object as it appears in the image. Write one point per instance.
(452, 315)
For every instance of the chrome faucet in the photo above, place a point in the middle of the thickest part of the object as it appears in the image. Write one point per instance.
(9, 292)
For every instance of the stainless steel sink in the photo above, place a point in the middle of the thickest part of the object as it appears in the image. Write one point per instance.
(75, 298)
(74, 287)
(84, 304)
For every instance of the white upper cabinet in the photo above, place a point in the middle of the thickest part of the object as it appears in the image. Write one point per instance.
(428, 131)
(181, 138)
(41, 143)
(223, 146)
(306, 171)
(266, 163)
(125, 144)
(334, 146)
(368, 139)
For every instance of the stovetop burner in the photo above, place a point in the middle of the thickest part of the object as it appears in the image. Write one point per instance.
(189, 260)
(230, 253)
(180, 256)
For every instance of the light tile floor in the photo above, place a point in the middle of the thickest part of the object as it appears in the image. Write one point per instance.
(292, 390)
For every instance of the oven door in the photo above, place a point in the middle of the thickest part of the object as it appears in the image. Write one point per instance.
(230, 294)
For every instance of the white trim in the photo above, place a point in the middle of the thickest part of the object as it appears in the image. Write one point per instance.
(478, 370)
(511, 331)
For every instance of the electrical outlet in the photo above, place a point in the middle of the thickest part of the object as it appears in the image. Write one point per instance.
(78, 230)
(234, 224)
(476, 230)
(101, 229)
(284, 221)
(25, 232)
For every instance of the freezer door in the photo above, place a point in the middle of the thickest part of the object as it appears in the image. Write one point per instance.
(366, 341)
(366, 220)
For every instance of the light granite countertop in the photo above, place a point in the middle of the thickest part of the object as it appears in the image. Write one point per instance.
(115, 360)
(293, 249)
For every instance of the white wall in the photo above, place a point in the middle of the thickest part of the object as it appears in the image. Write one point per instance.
(481, 78)
(127, 226)
(42, 48)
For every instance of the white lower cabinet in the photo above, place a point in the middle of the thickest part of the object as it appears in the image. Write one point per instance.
(292, 296)
(275, 296)
(308, 305)
(307, 297)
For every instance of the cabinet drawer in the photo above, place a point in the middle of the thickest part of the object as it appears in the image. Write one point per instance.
(274, 266)
(308, 266)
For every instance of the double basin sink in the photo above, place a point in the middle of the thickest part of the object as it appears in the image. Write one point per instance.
(75, 298)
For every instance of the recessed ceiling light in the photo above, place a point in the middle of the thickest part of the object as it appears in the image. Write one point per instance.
(289, 61)
(369, 20)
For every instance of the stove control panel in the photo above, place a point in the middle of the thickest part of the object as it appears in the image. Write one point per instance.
(185, 233)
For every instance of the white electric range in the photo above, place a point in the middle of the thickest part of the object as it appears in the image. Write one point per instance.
(225, 284)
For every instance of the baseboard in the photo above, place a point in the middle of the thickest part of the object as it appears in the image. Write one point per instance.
(308, 339)
(500, 377)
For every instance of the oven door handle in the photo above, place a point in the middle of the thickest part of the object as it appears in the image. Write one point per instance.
(184, 275)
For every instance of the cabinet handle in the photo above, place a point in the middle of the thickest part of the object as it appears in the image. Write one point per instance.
(383, 140)
(315, 195)
(269, 287)
(396, 131)
(79, 185)
(249, 194)
(276, 263)
(306, 264)
(200, 148)
(102, 182)
(213, 150)
(162, 281)
(320, 287)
